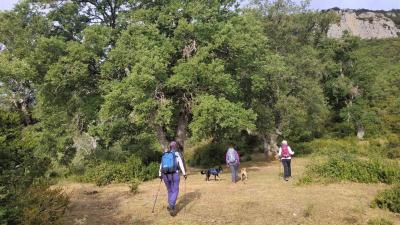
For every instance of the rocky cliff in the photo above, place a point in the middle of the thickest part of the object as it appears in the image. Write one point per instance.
(366, 24)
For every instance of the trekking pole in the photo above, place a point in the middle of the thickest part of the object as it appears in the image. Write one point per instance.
(155, 200)
(185, 199)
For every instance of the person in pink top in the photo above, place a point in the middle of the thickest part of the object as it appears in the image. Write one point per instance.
(232, 161)
(285, 154)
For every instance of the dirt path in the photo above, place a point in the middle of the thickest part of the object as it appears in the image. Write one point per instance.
(264, 199)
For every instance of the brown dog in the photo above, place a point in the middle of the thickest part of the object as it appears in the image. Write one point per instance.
(243, 174)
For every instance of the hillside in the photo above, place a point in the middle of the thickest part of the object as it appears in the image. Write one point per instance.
(264, 199)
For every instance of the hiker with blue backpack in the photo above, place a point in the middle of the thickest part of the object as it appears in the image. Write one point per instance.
(232, 161)
(285, 153)
(170, 162)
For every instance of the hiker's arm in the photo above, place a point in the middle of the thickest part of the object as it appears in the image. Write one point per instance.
(180, 162)
(280, 151)
(290, 151)
(237, 157)
(159, 171)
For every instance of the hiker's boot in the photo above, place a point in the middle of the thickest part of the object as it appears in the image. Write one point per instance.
(172, 211)
(169, 208)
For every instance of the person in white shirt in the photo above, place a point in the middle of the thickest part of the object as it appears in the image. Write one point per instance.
(285, 154)
(169, 173)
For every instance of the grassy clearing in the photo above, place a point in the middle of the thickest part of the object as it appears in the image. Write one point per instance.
(264, 199)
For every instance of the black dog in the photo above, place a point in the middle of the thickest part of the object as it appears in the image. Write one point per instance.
(212, 171)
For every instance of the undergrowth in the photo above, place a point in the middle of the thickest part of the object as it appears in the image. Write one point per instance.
(107, 172)
(388, 199)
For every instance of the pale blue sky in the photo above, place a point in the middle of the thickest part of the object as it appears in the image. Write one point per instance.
(315, 4)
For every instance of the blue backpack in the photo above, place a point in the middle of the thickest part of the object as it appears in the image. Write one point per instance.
(168, 162)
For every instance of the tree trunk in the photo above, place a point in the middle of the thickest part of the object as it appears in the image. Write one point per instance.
(270, 145)
(181, 130)
(273, 144)
(162, 138)
(360, 132)
(266, 147)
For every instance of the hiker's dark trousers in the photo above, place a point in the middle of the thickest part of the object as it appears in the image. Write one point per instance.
(234, 170)
(287, 171)
(172, 183)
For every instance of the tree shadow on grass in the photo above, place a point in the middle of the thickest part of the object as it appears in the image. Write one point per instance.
(186, 199)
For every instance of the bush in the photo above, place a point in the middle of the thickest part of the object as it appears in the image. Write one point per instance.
(208, 155)
(108, 171)
(388, 199)
(327, 147)
(380, 147)
(42, 205)
(134, 185)
(307, 179)
(150, 171)
(393, 147)
(379, 221)
(345, 166)
(245, 158)
(393, 153)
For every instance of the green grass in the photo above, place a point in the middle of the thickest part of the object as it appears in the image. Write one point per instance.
(388, 199)
(349, 167)
(380, 221)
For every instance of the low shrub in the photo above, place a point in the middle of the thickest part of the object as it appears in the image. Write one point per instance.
(305, 180)
(208, 155)
(327, 147)
(245, 158)
(107, 172)
(388, 199)
(380, 221)
(134, 185)
(393, 147)
(388, 147)
(393, 153)
(42, 205)
(344, 166)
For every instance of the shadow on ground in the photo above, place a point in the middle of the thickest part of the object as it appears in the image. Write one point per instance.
(186, 199)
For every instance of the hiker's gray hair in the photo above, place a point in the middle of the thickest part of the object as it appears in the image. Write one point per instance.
(284, 142)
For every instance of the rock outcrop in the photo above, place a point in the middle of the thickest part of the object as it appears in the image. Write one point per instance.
(366, 24)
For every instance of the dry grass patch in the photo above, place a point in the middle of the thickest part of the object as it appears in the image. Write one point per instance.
(264, 199)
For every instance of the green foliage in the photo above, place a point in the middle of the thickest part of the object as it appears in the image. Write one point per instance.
(245, 158)
(208, 155)
(387, 147)
(70, 21)
(360, 85)
(389, 199)
(379, 221)
(285, 89)
(219, 118)
(20, 168)
(108, 171)
(42, 205)
(134, 186)
(348, 167)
